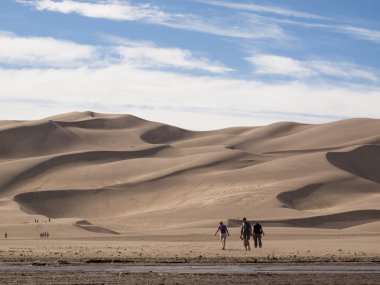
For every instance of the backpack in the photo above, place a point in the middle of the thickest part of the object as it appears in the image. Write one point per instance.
(257, 229)
(246, 228)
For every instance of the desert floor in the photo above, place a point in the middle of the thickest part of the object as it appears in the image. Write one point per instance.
(195, 246)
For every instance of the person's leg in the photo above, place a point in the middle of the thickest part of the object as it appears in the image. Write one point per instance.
(255, 240)
(260, 244)
(224, 238)
(246, 238)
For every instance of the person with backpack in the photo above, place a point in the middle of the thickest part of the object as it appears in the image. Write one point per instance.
(257, 232)
(245, 233)
(223, 234)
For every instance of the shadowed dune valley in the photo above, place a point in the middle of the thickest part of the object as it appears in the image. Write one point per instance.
(99, 177)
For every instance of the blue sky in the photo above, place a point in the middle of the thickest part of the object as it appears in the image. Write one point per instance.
(197, 64)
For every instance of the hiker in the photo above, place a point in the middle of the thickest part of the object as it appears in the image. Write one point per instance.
(223, 234)
(245, 233)
(257, 232)
(6, 235)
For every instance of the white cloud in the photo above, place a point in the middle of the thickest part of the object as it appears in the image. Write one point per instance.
(239, 27)
(113, 10)
(184, 100)
(267, 64)
(43, 51)
(147, 13)
(345, 70)
(261, 9)
(279, 65)
(50, 52)
(361, 33)
(152, 56)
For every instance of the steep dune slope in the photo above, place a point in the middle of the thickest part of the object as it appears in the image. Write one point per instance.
(362, 161)
(30, 140)
(118, 169)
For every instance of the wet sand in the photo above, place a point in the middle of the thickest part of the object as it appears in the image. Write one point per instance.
(188, 278)
(198, 268)
(111, 273)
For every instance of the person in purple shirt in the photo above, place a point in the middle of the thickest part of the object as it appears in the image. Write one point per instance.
(223, 234)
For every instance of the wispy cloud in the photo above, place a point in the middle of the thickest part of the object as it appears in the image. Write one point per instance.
(267, 64)
(147, 13)
(51, 52)
(150, 56)
(111, 9)
(251, 7)
(235, 27)
(301, 19)
(248, 26)
(47, 51)
(360, 33)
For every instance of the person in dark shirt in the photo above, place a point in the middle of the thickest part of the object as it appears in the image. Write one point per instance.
(245, 233)
(223, 234)
(257, 233)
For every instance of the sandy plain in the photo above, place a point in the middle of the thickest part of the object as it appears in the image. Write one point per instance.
(196, 246)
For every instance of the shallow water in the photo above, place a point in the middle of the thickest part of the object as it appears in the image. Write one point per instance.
(198, 268)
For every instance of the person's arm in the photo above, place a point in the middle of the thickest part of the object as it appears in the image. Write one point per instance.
(227, 231)
(217, 231)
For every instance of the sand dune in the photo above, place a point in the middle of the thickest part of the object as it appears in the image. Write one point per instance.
(120, 171)
(362, 161)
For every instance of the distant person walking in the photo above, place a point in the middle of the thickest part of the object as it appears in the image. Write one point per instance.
(245, 233)
(223, 234)
(257, 232)
(6, 235)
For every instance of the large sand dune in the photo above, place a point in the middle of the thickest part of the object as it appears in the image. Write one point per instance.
(121, 172)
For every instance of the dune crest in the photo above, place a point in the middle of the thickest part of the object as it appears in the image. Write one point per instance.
(123, 171)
